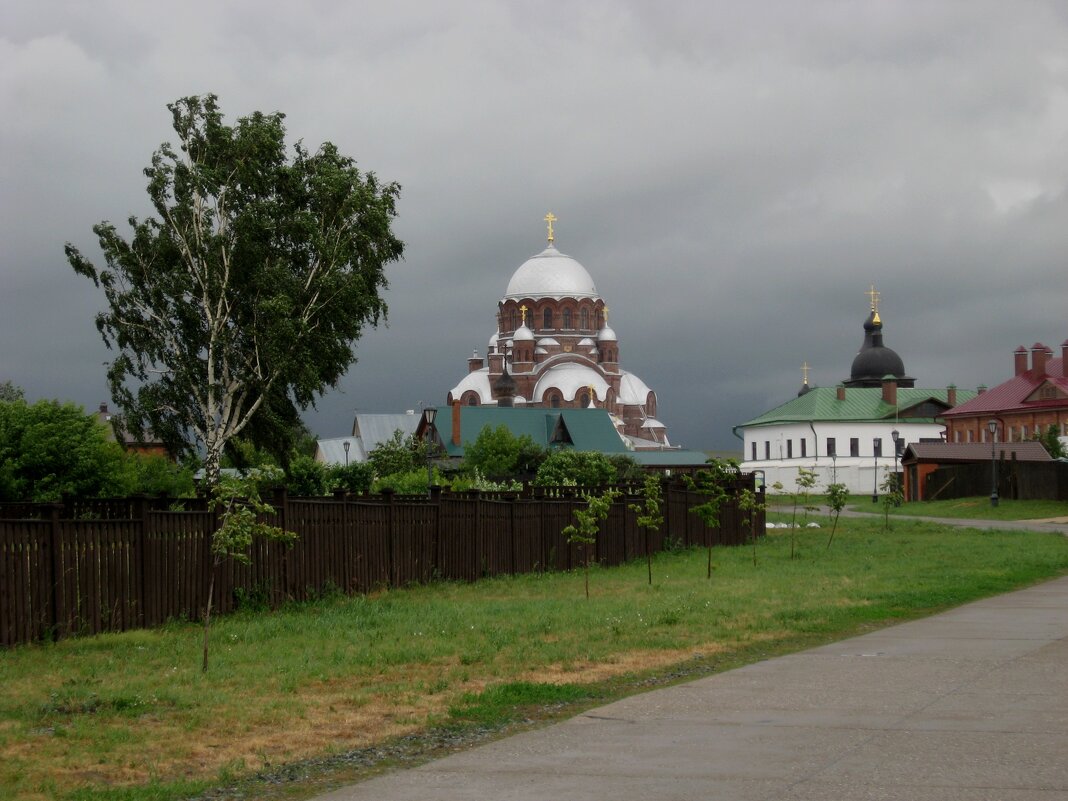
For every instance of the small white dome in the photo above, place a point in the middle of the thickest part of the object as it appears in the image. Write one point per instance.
(541, 351)
(586, 342)
(632, 390)
(606, 334)
(493, 340)
(549, 342)
(551, 274)
(523, 334)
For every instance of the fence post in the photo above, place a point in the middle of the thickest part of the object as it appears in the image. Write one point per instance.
(391, 534)
(435, 505)
(141, 514)
(281, 505)
(57, 564)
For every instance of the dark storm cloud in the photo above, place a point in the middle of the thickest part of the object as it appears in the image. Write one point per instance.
(732, 175)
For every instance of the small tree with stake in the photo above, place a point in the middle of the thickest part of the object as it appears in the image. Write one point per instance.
(712, 483)
(589, 521)
(751, 504)
(238, 503)
(837, 495)
(805, 481)
(650, 515)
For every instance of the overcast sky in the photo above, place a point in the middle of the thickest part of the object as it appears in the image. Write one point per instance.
(733, 176)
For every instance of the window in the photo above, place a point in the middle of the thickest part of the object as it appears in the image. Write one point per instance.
(584, 400)
(767, 449)
(547, 318)
(567, 319)
(804, 448)
(789, 449)
(854, 446)
(969, 434)
(1023, 433)
(554, 401)
(752, 451)
(831, 447)
(877, 446)
(956, 436)
(585, 319)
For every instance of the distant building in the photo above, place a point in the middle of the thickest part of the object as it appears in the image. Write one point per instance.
(553, 348)
(368, 432)
(148, 443)
(1035, 398)
(846, 434)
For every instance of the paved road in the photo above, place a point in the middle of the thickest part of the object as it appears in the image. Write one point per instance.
(971, 704)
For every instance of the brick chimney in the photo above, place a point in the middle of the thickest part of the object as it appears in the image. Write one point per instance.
(951, 395)
(1039, 355)
(980, 389)
(1020, 359)
(456, 423)
(1064, 358)
(841, 392)
(474, 363)
(890, 391)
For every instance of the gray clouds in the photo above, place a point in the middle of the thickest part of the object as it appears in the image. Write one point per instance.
(732, 175)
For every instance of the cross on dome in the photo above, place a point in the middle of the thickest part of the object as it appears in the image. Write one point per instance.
(804, 372)
(550, 218)
(523, 312)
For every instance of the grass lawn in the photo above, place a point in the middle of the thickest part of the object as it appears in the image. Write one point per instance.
(131, 716)
(971, 508)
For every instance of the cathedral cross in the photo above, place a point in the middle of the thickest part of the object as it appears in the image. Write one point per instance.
(873, 294)
(523, 312)
(804, 371)
(605, 314)
(550, 218)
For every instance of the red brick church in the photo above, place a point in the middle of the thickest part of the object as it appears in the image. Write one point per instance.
(553, 348)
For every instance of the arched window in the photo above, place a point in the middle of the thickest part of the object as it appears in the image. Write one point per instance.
(547, 319)
(512, 319)
(554, 401)
(585, 319)
(473, 400)
(567, 319)
(584, 400)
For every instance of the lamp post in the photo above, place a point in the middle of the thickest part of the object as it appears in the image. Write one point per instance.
(896, 437)
(992, 427)
(429, 414)
(875, 482)
(834, 468)
(345, 445)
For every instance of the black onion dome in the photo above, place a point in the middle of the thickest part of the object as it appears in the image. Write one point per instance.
(874, 361)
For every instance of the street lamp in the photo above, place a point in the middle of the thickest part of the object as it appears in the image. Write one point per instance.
(875, 482)
(429, 414)
(992, 427)
(345, 445)
(896, 437)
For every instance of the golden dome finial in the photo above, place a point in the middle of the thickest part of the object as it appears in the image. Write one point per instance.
(873, 295)
(550, 218)
(523, 312)
(804, 373)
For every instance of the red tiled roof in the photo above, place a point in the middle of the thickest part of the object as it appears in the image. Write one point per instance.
(1029, 451)
(1010, 395)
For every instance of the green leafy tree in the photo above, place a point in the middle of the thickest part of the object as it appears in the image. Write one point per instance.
(627, 470)
(249, 288)
(10, 392)
(1051, 442)
(399, 454)
(49, 449)
(837, 496)
(307, 477)
(575, 468)
(650, 515)
(352, 477)
(237, 501)
(752, 504)
(497, 453)
(155, 474)
(587, 525)
(892, 495)
(805, 481)
(712, 482)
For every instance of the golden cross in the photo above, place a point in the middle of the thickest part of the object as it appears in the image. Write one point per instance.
(523, 311)
(873, 294)
(550, 218)
(804, 371)
(606, 314)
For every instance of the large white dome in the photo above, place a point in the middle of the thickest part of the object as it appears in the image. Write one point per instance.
(551, 274)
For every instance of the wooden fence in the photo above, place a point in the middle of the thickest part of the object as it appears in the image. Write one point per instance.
(1016, 480)
(96, 566)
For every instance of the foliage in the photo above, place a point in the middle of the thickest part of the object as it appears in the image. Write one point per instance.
(837, 498)
(236, 499)
(752, 505)
(399, 454)
(407, 482)
(805, 481)
(584, 468)
(11, 392)
(155, 474)
(497, 452)
(353, 477)
(892, 495)
(249, 288)
(48, 449)
(650, 515)
(627, 469)
(587, 524)
(712, 483)
(1051, 442)
(307, 477)
(476, 481)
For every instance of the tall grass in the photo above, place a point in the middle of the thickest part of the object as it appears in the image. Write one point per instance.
(131, 716)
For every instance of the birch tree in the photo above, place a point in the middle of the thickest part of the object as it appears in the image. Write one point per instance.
(259, 271)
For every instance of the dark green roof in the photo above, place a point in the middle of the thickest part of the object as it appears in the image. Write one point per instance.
(583, 429)
(671, 457)
(821, 404)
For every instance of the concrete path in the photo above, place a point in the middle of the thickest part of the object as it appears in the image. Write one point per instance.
(970, 704)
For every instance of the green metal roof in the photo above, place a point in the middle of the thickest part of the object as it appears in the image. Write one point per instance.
(584, 429)
(821, 404)
(669, 458)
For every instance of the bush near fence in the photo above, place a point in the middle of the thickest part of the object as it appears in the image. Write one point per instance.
(85, 567)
